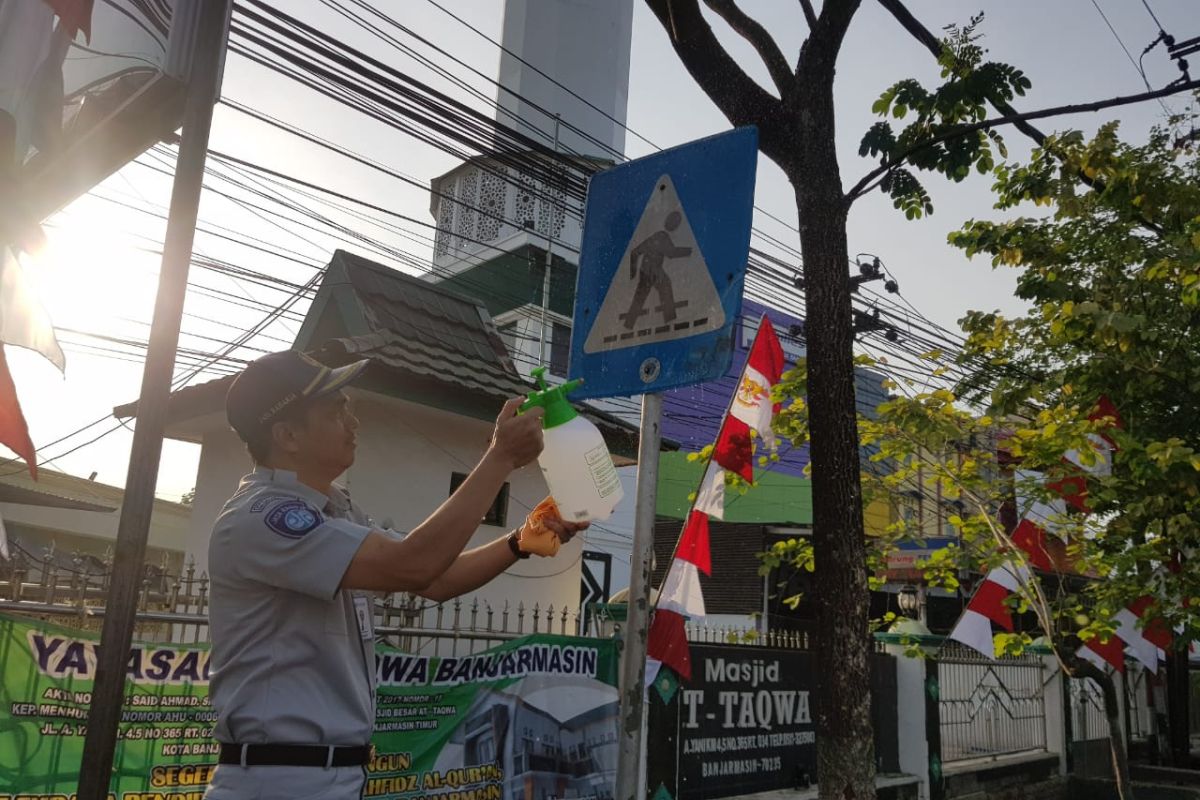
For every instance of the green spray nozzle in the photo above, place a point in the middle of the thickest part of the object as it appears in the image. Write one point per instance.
(553, 399)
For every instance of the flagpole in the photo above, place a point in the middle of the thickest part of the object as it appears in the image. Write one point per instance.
(202, 89)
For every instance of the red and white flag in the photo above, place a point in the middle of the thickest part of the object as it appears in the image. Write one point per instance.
(23, 323)
(711, 497)
(681, 598)
(1144, 640)
(1111, 653)
(681, 589)
(988, 605)
(1041, 533)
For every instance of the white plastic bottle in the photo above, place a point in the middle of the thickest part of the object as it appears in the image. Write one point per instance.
(575, 460)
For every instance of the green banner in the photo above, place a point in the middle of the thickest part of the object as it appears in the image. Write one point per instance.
(532, 719)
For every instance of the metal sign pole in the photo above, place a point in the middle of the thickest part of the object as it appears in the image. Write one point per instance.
(637, 621)
(117, 633)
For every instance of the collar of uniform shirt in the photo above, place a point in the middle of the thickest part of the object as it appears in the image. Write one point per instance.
(338, 503)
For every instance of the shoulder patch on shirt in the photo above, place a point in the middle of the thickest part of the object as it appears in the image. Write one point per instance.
(292, 518)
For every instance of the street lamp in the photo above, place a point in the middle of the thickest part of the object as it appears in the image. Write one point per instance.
(911, 600)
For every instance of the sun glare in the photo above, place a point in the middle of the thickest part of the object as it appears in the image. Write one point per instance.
(93, 280)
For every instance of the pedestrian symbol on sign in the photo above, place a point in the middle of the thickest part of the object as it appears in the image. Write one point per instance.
(646, 266)
(662, 258)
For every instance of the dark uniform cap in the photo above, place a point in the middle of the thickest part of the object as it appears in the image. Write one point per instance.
(276, 382)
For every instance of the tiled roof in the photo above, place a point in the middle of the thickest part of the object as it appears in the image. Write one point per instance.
(389, 352)
(396, 363)
(422, 313)
(426, 343)
(430, 360)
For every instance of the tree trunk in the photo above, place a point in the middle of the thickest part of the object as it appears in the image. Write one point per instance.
(1116, 739)
(845, 745)
(796, 131)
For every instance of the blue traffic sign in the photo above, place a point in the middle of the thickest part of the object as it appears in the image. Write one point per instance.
(662, 266)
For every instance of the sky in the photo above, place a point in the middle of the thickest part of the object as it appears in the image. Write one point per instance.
(99, 277)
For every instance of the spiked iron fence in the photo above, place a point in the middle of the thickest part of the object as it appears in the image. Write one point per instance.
(174, 607)
(990, 708)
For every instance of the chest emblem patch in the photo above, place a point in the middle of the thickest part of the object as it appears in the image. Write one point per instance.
(292, 518)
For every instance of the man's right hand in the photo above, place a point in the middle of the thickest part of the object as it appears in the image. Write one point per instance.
(518, 437)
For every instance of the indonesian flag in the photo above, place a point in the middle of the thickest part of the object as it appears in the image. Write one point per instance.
(1105, 409)
(1145, 641)
(974, 627)
(1111, 652)
(711, 497)
(14, 432)
(23, 323)
(668, 645)
(681, 590)
(1032, 540)
(1041, 533)
(751, 408)
(680, 598)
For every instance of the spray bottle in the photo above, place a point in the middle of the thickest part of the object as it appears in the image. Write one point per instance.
(575, 461)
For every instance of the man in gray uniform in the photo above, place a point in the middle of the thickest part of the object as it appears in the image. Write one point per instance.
(292, 561)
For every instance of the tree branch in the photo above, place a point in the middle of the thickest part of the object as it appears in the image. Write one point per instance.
(753, 32)
(810, 16)
(736, 95)
(962, 130)
(934, 45)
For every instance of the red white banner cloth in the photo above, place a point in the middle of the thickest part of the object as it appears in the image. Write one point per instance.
(988, 605)
(1146, 638)
(681, 598)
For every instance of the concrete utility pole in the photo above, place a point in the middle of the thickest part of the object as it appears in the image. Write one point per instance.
(212, 24)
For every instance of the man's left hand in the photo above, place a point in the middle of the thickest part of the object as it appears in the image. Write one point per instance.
(565, 530)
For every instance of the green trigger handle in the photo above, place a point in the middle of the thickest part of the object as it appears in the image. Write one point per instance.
(538, 397)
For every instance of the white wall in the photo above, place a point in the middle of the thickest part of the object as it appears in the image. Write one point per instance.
(614, 535)
(910, 711)
(166, 529)
(406, 454)
(223, 462)
(1056, 731)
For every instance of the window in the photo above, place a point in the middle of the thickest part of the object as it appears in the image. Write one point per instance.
(496, 515)
(560, 349)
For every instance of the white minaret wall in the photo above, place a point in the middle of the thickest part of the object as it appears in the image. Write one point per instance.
(584, 45)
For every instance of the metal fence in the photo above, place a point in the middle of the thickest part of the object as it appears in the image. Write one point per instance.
(1137, 701)
(174, 608)
(990, 708)
(1088, 721)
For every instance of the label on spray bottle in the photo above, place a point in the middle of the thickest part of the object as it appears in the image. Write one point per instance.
(604, 474)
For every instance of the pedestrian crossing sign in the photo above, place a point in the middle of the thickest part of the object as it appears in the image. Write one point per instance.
(662, 259)
(662, 267)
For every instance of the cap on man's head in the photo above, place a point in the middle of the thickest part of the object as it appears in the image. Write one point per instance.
(271, 385)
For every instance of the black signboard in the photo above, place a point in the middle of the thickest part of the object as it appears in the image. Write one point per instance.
(743, 724)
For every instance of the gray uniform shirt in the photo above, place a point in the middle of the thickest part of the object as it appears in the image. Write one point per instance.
(293, 656)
